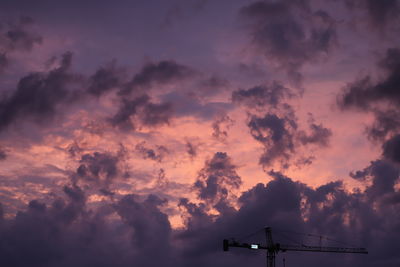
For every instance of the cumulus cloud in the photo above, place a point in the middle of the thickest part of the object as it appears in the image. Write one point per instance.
(217, 179)
(140, 111)
(162, 72)
(280, 31)
(386, 123)
(152, 227)
(39, 95)
(380, 14)
(99, 168)
(380, 97)
(125, 232)
(276, 135)
(221, 127)
(17, 36)
(191, 149)
(156, 154)
(391, 149)
(284, 204)
(364, 93)
(262, 96)
(318, 135)
(106, 78)
(382, 176)
(282, 138)
(66, 233)
(273, 123)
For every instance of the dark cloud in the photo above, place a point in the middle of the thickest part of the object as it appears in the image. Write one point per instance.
(277, 130)
(74, 149)
(37, 234)
(221, 127)
(3, 154)
(276, 134)
(211, 86)
(382, 175)
(98, 168)
(304, 161)
(217, 179)
(140, 111)
(281, 137)
(364, 93)
(127, 109)
(39, 95)
(281, 32)
(105, 79)
(66, 233)
(3, 62)
(196, 215)
(261, 96)
(379, 13)
(162, 180)
(156, 114)
(76, 194)
(386, 123)
(125, 233)
(381, 97)
(391, 149)
(191, 149)
(319, 134)
(160, 73)
(152, 227)
(17, 36)
(360, 175)
(296, 208)
(157, 154)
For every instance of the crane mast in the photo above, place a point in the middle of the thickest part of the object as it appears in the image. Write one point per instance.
(273, 248)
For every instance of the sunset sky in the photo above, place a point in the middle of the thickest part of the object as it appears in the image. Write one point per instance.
(142, 133)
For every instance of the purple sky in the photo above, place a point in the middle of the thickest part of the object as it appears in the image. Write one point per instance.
(142, 133)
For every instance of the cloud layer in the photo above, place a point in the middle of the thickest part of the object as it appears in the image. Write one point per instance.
(143, 134)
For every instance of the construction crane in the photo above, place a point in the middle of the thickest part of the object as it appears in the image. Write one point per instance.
(273, 248)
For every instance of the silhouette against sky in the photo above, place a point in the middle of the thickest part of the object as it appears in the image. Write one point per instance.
(143, 133)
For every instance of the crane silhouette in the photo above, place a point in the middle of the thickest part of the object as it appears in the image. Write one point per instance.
(273, 248)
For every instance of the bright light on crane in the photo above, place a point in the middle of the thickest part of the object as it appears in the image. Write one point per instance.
(254, 246)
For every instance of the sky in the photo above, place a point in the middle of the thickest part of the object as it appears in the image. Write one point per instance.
(143, 133)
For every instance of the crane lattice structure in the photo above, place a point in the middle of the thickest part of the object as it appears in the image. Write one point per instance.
(273, 248)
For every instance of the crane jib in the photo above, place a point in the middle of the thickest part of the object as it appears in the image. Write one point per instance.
(273, 248)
